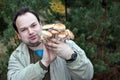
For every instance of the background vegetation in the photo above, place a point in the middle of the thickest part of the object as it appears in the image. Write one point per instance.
(95, 23)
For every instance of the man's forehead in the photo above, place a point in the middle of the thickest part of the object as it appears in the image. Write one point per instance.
(27, 15)
(26, 19)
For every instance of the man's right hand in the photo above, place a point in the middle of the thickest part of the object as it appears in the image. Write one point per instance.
(48, 57)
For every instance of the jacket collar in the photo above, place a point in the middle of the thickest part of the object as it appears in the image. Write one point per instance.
(22, 48)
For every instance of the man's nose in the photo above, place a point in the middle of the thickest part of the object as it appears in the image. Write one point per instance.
(30, 31)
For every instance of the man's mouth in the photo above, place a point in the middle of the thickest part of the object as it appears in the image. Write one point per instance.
(33, 37)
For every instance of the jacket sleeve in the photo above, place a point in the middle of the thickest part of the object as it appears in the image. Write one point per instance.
(81, 68)
(17, 70)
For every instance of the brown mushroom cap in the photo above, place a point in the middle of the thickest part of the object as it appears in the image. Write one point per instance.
(54, 31)
(59, 27)
(62, 34)
(70, 34)
(47, 26)
(46, 34)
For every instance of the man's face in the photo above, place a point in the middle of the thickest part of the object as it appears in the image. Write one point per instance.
(29, 29)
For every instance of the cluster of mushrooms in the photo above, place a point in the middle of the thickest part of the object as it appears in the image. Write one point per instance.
(57, 31)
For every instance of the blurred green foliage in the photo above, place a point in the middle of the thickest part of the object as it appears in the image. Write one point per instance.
(95, 23)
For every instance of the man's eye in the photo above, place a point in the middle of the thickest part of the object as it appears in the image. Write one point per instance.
(33, 25)
(22, 30)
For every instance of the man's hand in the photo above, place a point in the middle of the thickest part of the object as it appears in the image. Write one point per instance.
(60, 48)
(48, 57)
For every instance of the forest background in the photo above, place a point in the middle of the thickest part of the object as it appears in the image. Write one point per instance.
(95, 24)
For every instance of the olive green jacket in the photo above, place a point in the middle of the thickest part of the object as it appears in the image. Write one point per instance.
(19, 67)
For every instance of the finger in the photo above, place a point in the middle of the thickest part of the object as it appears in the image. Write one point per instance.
(55, 41)
(51, 48)
(53, 45)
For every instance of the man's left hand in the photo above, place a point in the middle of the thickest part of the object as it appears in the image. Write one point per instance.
(60, 48)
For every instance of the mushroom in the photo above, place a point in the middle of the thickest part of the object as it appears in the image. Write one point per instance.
(57, 31)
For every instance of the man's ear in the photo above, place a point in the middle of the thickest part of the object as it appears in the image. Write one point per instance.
(39, 22)
(18, 35)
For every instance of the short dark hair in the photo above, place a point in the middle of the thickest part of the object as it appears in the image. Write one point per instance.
(20, 12)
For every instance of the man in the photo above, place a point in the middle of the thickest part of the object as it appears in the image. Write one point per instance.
(60, 60)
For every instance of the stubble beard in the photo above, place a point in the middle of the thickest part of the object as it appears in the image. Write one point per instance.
(34, 44)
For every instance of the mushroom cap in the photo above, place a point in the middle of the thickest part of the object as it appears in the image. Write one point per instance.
(59, 26)
(47, 26)
(54, 31)
(62, 34)
(70, 34)
(46, 33)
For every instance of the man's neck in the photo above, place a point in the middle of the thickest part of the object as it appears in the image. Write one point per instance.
(40, 46)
